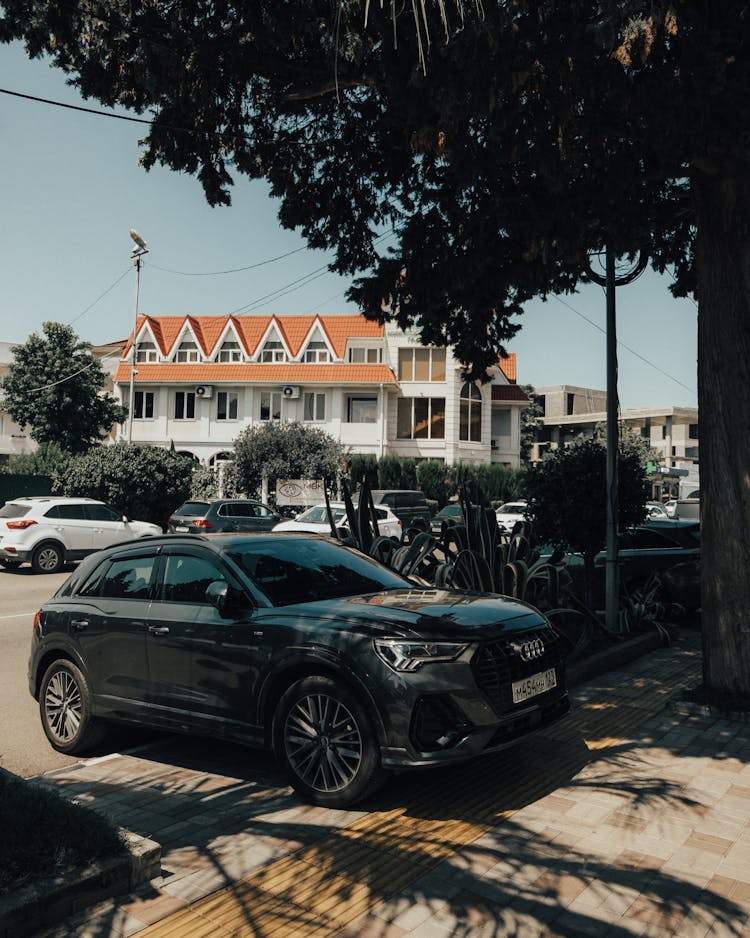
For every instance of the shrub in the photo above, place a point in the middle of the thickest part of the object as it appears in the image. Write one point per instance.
(432, 480)
(143, 482)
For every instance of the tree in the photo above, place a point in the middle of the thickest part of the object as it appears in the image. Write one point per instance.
(145, 483)
(285, 451)
(540, 132)
(49, 459)
(54, 385)
(567, 499)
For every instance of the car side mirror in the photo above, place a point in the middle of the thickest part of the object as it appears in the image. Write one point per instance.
(227, 600)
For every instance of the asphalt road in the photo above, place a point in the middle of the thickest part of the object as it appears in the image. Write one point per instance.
(24, 749)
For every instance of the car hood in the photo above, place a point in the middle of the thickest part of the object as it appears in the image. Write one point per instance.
(432, 612)
(144, 527)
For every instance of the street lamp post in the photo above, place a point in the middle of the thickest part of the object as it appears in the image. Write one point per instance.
(136, 254)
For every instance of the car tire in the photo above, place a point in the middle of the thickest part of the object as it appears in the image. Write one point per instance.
(65, 709)
(48, 558)
(11, 564)
(325, 740)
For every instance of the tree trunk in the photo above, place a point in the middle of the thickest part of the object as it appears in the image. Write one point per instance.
(723, 265)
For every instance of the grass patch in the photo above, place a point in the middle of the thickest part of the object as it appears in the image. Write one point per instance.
(43, 834)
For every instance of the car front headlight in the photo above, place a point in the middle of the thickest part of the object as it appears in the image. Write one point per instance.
(410, 656)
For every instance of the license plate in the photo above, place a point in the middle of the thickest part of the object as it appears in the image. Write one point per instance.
(181, 528)
(534, 685)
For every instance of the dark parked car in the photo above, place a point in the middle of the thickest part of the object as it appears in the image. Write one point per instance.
(409, 506)
(222, 515)
(294, 642)
(451, 514)
(670, 549)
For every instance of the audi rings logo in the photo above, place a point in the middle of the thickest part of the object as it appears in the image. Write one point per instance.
(530, 651)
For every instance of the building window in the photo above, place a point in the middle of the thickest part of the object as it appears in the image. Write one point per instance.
(421, 418)
(227, 403)
(143, 405)
(571, 403)
(693, 431)
(270, 405)
(361, 410)
(145, 352)
(184, 405)
(470, 420)
(317, 352)
(541, 400)
(273, 351)
(365, 356)
(187, 352)
(230, 352)
(314, 406)
(421, 364)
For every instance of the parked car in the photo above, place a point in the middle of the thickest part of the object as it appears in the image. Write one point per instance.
(409, 506)
(509, 514)
(221, 515)
(292, 642)
(49, 531)
(670, 549)
(315, 521)
(451, 514)
(657, 511)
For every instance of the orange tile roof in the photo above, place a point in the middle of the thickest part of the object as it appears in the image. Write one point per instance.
(251, 329)
(508, 366)
(257, 373)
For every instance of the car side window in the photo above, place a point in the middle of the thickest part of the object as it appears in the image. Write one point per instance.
(102, 513)
(645, 540)
(122, 578)
(68, 512)
(186, 578)
(262, 512)
(243, 511)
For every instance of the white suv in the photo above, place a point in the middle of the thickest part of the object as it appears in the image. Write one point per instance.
(49, 531)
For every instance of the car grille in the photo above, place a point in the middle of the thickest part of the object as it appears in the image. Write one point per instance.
(497, 665)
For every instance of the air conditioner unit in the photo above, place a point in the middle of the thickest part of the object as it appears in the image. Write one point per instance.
(204, 390)
(291, 391)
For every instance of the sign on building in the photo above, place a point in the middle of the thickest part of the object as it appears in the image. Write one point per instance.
(300, 491)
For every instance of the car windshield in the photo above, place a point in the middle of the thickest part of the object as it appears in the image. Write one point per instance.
(9, 510)
(514, 508)
(450, 511)
(319, 515)
(191, 508)
(298, 570)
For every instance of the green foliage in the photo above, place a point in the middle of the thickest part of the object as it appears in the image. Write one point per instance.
(143, 482)
(49, 459)
(363, 467)
(278, 450)
(44, 831)
(53, 385)
(204, 483)
(390, 473)
(432, 479)
(487, 483)
(568, 497)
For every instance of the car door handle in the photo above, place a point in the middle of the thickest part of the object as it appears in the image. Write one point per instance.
(79, 624)
(158, 630)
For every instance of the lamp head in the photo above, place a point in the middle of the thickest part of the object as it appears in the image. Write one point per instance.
(138, 239)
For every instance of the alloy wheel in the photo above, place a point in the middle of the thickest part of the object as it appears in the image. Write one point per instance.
(62, 705)
(48, 559)
(323, 742)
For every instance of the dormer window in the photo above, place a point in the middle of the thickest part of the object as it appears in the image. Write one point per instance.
(317, 352)
(230, 352)
(187, 352)
(362, 356)
(273, 351)
(145, 352)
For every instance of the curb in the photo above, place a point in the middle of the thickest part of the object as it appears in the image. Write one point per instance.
(48, 901)
(611, 658)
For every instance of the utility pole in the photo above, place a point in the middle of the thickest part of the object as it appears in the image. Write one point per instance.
(136, 254)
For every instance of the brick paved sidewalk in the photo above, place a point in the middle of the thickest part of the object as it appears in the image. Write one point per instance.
(627, 819)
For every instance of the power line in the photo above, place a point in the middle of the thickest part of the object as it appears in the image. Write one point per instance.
(232, 270)
(101, 296)
(626, 347)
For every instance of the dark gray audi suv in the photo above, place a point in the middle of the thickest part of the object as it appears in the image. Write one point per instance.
(294, 642)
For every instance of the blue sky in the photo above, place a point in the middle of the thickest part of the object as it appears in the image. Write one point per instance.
(71, 188)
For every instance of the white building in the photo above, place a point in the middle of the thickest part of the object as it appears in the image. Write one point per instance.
(201, 380)
(13, 440)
